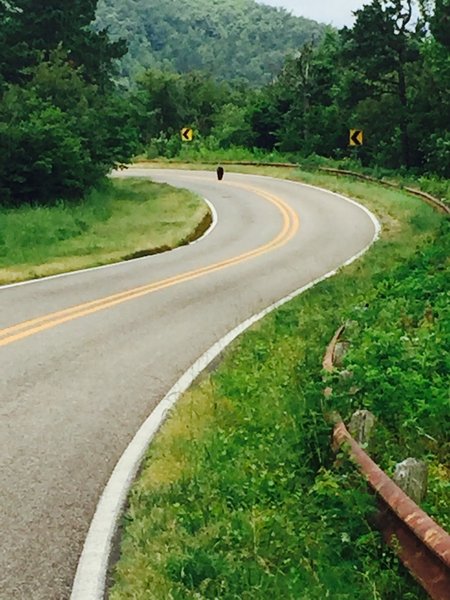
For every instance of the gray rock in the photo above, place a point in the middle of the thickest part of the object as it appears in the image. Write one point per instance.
(346, 374)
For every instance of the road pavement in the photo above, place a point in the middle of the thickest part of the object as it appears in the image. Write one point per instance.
(84, 358)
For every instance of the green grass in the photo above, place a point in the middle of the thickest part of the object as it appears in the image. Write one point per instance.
(122, 218)
(239, 496)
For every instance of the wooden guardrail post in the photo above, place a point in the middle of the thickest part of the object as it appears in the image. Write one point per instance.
(361, 426)
(411, 476)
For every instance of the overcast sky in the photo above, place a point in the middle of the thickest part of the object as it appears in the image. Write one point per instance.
(336, 12)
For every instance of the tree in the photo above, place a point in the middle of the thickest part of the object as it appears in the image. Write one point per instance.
(63, 126)
(58, 136)
(35, 28)
(299, 111)
(10, 54)
(440, 22)
(297, 76)
(232, 39)
(232, 126)
(382, 46)
(431, 101)
(160, 104)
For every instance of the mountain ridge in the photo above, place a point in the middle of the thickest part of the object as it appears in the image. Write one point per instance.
(237, 39)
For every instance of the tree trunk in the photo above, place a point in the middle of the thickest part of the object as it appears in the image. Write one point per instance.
(404, 118)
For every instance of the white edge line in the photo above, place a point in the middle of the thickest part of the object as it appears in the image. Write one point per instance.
(215, 220)
(90, 578)
(122, 262)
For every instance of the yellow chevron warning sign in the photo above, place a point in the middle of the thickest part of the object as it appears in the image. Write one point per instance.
(187, 134)
(356, 137)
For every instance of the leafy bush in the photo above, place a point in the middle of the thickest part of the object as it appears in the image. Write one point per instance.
(400, 361)
(43, 158)
(58, 136)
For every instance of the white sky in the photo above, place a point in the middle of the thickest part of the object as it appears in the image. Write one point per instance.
(334, 12)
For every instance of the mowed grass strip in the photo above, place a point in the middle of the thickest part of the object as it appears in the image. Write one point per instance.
(121, 219)
(239, 496)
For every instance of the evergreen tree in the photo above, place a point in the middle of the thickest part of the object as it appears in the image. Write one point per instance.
(37, 27)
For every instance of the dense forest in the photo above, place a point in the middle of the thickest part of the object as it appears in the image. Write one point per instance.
(236, 39)
(66, 119)
(388, 75)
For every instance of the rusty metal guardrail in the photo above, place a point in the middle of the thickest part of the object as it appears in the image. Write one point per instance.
(435, 202)
(421, 544)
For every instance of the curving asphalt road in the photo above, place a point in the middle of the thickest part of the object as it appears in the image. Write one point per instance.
(84, 358)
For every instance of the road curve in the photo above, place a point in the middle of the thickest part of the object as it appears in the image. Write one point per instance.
(85, 358)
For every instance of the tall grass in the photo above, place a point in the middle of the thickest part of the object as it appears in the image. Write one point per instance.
(119, 218)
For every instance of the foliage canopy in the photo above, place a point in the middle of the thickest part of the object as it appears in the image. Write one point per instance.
(62, 126)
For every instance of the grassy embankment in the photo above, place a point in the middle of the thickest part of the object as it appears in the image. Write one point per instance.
(239, 497)
(122, 219)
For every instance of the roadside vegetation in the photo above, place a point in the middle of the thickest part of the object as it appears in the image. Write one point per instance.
(399, 358)
(240, 495)
(120, 219)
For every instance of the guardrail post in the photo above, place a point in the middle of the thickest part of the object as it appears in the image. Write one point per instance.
(361, 426)
(340, 350)
(411, 476)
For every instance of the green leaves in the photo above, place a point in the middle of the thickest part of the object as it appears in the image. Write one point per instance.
(400, 356)
(33, 32)
(58, 136)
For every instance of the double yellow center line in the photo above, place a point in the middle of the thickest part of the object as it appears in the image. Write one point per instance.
(25, 329)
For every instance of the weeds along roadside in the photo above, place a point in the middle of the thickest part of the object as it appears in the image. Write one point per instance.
(120, 219)
(239, 497)
(399, 367)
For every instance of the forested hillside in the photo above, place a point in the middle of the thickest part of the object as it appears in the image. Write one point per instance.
(232, 39)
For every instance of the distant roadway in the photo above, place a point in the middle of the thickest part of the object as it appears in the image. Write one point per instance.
(84, 358)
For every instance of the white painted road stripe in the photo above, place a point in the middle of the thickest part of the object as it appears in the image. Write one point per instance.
(89, 583)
